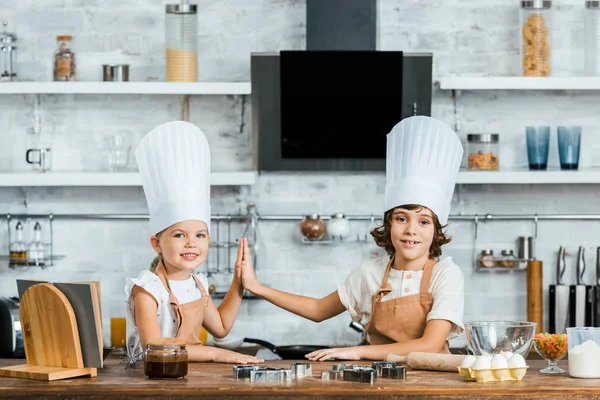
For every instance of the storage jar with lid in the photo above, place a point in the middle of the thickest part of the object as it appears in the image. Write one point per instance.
(181, 31)
(8, 55)
(486, 259)
(508, 259)
(535, 41)
(592, 37)
(64, 59)
(313, 227)
(166, 358)
(338, 226)
(483, 151)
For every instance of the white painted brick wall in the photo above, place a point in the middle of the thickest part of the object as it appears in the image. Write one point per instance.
(466, 37)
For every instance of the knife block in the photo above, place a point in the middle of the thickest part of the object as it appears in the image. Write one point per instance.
(50, 337)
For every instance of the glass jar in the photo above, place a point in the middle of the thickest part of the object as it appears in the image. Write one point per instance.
(8, 55)
(64, 59)
(535, 37)
(508, 259)
(584, 352)
(181, 31)
(18, 249)
(166, 358)
(338, 226)
(592, 37)
(484, 151)
(312, 227)
(486, 259)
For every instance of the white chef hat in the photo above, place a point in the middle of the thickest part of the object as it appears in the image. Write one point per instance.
(422, 162)
(174, 164)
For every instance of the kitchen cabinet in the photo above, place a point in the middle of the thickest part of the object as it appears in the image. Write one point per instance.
(215, 381)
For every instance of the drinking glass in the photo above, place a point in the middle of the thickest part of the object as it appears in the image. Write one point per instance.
(569, 138)
(538, 144)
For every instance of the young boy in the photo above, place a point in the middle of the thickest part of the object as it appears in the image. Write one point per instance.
(174, 164)
(411, 301)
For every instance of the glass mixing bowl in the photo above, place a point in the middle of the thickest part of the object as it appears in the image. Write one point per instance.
(492, 337)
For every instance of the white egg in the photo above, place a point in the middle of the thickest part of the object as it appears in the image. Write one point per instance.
(516, 361)
(498, 361)
(507, 354)
(468, 361)
(482, 362)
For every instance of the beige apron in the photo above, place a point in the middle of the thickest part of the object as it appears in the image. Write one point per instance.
(403, 318)
(189, 315)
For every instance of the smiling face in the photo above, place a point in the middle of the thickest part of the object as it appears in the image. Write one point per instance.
(412, 232)
(183, 246)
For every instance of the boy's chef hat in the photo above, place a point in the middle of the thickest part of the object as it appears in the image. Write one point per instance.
(174, 164)
(422, 162)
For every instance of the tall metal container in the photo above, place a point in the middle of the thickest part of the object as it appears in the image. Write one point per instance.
(181, 31)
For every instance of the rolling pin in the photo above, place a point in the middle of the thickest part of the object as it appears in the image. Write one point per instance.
(428, 361)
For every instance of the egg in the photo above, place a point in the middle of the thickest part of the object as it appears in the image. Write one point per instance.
(507, 354)
(482, 362)
(516, 361)
(498, 361)
(468, 361)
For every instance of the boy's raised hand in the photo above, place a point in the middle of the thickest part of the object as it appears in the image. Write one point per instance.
(243, 266)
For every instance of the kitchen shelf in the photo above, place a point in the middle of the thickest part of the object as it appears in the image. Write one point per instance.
(525, 176)
(93, 179)
(179, 88)
(518, 83)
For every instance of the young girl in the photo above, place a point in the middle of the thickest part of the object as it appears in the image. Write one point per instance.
(411, 301)
(174, 164)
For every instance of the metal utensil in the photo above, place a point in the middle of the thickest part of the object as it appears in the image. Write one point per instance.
(360, 374)
(558, 297)
(270, 375)
(577, 293)
(394, 372)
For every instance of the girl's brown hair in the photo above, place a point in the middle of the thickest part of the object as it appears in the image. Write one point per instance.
(383, 237)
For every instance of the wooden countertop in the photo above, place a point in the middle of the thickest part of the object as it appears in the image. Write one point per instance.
(215, 381)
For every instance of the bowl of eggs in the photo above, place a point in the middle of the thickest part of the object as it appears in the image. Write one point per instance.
(495, 337)
(504, 366)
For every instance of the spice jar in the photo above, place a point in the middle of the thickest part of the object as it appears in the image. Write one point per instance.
(64, 59)
(312, 227)
(535, 37)
(484, 151)
(338, 226)
(486, 259)
(166, 358)
(508, 259)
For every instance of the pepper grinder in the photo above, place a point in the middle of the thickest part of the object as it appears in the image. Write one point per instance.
(8, 55)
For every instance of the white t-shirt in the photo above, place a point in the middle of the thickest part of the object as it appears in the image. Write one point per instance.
(185, 291)
(446, 286)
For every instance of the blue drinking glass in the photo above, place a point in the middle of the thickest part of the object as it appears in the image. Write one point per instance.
(538, 145)
(569, 139)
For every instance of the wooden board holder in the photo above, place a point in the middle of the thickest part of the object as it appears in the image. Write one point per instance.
(50, 337)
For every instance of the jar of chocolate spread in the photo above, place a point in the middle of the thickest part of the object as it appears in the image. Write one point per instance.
(166, 358)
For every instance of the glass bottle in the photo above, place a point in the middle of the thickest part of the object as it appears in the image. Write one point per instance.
(17, 253)
(35, 253)
(252, 233)
(64, 59)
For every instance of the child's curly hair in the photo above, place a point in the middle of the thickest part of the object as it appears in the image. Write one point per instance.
(383, 238)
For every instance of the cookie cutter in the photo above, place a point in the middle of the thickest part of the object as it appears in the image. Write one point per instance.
(300, 370)
(342, 367)
(270, 375)
(394, 372)
(378, 365)
(243, 371)
(332, 375)
(360, 374)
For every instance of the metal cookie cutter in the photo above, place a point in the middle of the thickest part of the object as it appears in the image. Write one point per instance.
(243, 371)
(395, 372)
(342, 367)
(300, 370)
(360, 374)
(270, 375)
(378, 365)
(332, 375)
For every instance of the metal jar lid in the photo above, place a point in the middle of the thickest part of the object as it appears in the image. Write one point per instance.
(181, 8)
(338, 216)
(483, 137)
(536, 4)
(507, 252)
(592, 4)
(487, 252)
(312, 216)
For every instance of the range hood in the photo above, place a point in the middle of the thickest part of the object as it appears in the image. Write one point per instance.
(330, 107)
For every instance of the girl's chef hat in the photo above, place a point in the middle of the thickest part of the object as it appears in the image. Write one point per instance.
(422, 162)
(174, 164)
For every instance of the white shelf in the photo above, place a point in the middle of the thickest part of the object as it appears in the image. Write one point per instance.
(524, 177)
(198, 88)
(519, 83)
(93, 179)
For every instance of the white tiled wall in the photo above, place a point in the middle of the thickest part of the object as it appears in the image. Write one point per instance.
(466, 37)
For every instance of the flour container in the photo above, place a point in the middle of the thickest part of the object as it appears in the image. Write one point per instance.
(181, 31)
(584, 352)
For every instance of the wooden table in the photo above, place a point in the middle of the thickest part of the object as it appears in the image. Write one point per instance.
(215, 381)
